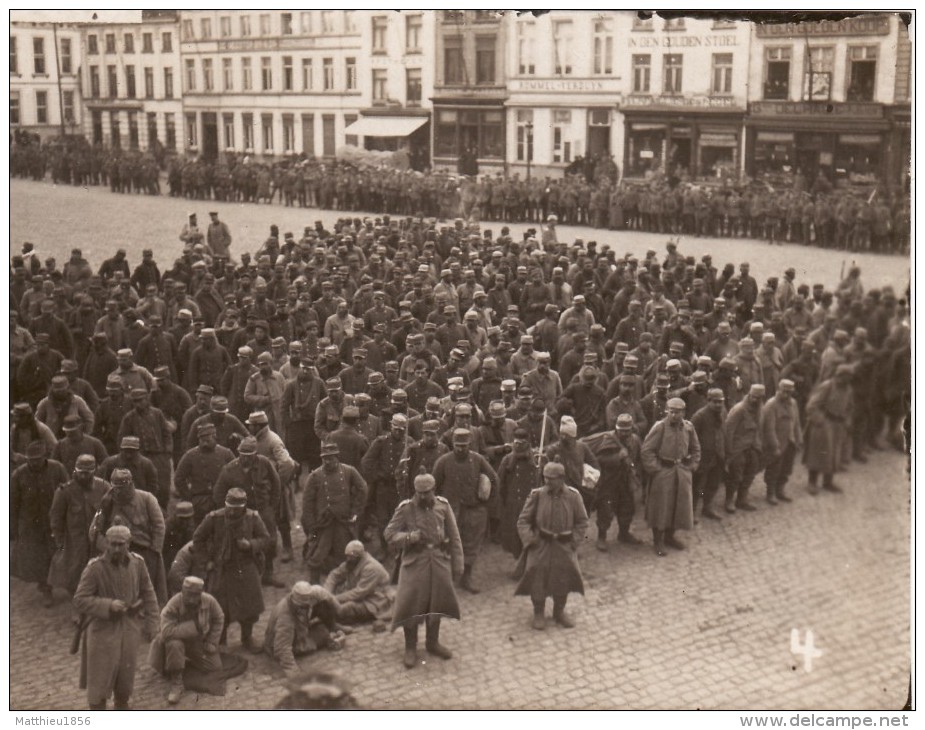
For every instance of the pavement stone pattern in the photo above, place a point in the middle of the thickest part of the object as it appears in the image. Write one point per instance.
(706, 628)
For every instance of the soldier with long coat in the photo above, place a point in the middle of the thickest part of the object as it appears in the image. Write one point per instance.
(234, 539)
(827, 416)
(551, 526)
(117, 600)
(670, 454)
(72, 511)
(518, 475)
(424, 530)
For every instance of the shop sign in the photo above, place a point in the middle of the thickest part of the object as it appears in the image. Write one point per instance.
(700, 102)
(684, 41)
(817, 108)
(566, 85)
(866, 25)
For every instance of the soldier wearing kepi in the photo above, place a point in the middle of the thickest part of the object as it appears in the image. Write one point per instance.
(190, 629)
(782, 436)
(743, 448)
(424, 530)
(334, 498)
(670, 453)
(467, 481)
(380, 467)
(234, 540)
(119, 610)
(551, 526)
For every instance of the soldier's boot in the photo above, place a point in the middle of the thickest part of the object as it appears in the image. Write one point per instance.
(730, 498)
(829, 485)
(672, 541)
(120, 703)
(433, 644)
(176, 688)
(97, 706)
(558, 612)
(658, 542)
(742, 502)
(247, 639)
(627, 537)
(466, 582)
(772, 495)
(539, 615)
(601, 543)
(779, 491)
(410, 659)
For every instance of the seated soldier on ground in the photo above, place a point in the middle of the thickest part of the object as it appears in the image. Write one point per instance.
(362, 588)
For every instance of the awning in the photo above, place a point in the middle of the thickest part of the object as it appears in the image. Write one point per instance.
(385, 126)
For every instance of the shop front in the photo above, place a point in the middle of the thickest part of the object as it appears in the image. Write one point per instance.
(469, 135)
(844, 141)
(692, 138)
(391, 131)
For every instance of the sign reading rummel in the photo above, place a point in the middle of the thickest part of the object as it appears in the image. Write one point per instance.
(866, 25)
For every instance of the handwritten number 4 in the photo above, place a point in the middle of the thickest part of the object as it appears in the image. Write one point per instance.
(806, 648)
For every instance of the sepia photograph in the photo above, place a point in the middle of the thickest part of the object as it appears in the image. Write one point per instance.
(462, 360)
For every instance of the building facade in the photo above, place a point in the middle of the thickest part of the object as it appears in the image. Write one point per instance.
(564, 89)
(131, 83)
(470, 90)
(825, 97)
(45, 59)
(685, 94)
(396, 82)
(271, 84)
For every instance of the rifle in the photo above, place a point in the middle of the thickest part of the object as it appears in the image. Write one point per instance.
(539, 455)
(80, 625)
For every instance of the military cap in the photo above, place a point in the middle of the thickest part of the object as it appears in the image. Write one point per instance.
(68, 366)
(204, 429)
(350, 412)
(699, 376)
(757, 390)
(716, 394)
(23, 409)
(120, 477)
(463, 409)
(399, 395)
(360, 352)
(130, 442)
(673, 364)
(462, 436)
(330, 449)
(431, 426)
(676, 403)
(85, 462)
(35, 449)
(184, 509)
(844, 369)
(391, 366)
(139, 393)
(786, 384)
(71, 422)
(245, 351)
(508, 386)
(192, 583)
(236, 497)
(333, 383)
(399, 420)
(264, 357)
(424, 483)
(119, 532)
(554, 470)
(258, 418)
(625, 422)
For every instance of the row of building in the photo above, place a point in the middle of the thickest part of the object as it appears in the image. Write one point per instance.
(506, 92)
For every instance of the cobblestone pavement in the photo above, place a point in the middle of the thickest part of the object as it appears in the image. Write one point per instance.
(55, 219)
(707, 628)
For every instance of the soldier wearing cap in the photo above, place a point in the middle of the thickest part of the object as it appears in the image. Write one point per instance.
(190, 628)
(625, 401)
(126, 505)
(144, 474)
(301, 398)
(208, 362)
(469, 483)
(157, 348)
(744, 448)
(334, 498)
(782, 436)
(235, 379)
(585, 402)
(60, 403)
(79, 386)
(264, 391)
(256, 476)
(827, 415)
(155, 435)
(201, 407)
(32, 490)
(518, 475)
(423, 529)
(179, 531)
(351, 443)
(670, 454)
(228, 429)
(551, 527)
(199, 468)
(25, 430)
(72, 509)
(361, 586)
(75, 443)
(330, 408)
(544, 381)
(234, 539)
(301, 623)
(174, 401)
(132, 376)
(709, 423)
(380, 468)
(271, 446)
(118, 602)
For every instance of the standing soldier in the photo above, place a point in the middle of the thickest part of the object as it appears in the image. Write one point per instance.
(155, 434)
(72, 511)
(334, 499)
(827, 415)
(708, 423)
(518, 475)
(670, 453)
(783, 437)
(380, 467)
(234, 540)
(198, 470)
(467, 481)
(743, 448)
(551, 526)
(423, 529)
(32, 490)
(119, 608)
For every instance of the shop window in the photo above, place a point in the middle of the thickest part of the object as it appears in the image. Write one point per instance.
(130, 82)
(445, 132)
(718, 154)
(228, 130)
(526, 48)
(722, 73)
(673, 68)
(777, 73)
(858, 157)
(642, 73)
(524, 135)
(774, 153)
(646, 147)
(41, 107)
(413, 86)
(14, 107)
(380, 28)
(562, 43)
(453, 61)
(380, 85)
(603, 46)
(817, 73)
(287, 73)
(248, 129)
(561, 146)
(485, 60)
(491, 135)
(862, 73)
